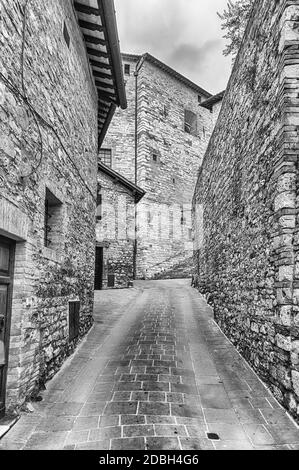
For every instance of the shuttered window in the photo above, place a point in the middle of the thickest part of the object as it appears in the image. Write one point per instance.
(74, 320)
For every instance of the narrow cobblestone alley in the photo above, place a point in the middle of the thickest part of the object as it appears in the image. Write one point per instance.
(154, 373)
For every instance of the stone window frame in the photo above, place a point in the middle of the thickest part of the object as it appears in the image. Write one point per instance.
(56, 251)
(66, 34)
(190, 122)
(127, 69)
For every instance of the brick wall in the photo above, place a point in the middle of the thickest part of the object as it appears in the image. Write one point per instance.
(116, 231)
(246, 201)
(164, 243)
(60, 154)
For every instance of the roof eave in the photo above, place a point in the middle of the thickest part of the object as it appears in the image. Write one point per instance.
(112, 32)
(138, 192)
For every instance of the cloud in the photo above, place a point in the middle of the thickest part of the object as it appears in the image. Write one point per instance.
(185, 34)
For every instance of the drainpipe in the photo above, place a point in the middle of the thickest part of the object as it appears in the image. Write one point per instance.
(138, 67)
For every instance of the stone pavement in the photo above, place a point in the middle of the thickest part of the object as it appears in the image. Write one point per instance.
(155, 373)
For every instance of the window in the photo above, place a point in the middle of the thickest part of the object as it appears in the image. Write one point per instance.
(190, 122)
(199, 99)
(111, 280)
(183, 220)
(127, 69)
(99, 204)
(106, 157)
(66, 35)
(74, 320)
(155, 156)
(53, 221)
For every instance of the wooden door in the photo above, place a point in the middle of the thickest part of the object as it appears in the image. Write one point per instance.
(98, 283)
(6, 281)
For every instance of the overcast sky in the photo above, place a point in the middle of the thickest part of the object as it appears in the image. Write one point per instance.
(185, 34)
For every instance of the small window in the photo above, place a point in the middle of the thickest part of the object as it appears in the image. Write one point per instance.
(74, 320)
(199, 99)
(155, 157)
(183, 219)
(53, 221)
(127, 69)
(106, 157)
(66, 35)
(173, 180)
(111, 280)
(190, 122)
(99, 204)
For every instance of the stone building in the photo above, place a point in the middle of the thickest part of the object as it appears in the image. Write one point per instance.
(158, 143)
(115, 229)
(246, 202)
(60, 82)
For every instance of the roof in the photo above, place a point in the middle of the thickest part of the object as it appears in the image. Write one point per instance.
(136, 190)
(97, 21)
(209, 103)
(148, 57)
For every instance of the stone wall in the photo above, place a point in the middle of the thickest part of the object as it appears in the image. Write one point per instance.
(246, 202)
(116, 230)
(167, 167)
(55, 151)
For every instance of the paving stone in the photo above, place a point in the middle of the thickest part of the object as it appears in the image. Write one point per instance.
(139, 396)
(100, 397)
(128, 386)
(159, 419)
(55, 424)
(155, 386)
(276, 417)
(169, 430)
(122, 396)
(213, 415)
(98, 445)
(104, 433)
(183, 388)
(249, 416)
(132, 419)
(153, 408)
(192, 421)
(214, 396)
(84, 423)
(196, 444)
(120, 408)
(196, 430)
(162, 443)
(233, 445)
(147, 377)
(175, 398)
(77, 437)
(45, 441)
(93, 409)
(136, 443)
(174, 379)
(229, 432)
(185, 410)
(157, 396)
(109, 421)
(138, 430)
(128, 378)
(258, 434)
(284, 434)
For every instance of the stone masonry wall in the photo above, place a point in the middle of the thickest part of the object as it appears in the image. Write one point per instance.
(246, 202)
(115, 232)
(164, 241)
(59, 152)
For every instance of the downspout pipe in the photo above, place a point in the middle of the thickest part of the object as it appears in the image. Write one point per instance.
(138, 67)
